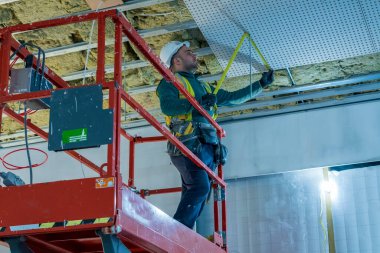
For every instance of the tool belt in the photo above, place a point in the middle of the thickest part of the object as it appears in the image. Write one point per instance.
(200, 133)
(191, 141)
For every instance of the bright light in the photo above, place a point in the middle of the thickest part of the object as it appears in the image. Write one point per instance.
(329, 187)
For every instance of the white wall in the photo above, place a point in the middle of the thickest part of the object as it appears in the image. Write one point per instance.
(289, 142)
(337, 135)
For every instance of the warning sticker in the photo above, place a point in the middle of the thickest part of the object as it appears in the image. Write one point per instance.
(75, 135)
(104, 182)
(66, 223)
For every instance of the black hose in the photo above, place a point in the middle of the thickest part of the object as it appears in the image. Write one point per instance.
(27, 144)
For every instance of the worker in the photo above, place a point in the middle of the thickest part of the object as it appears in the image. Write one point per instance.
(193, 129)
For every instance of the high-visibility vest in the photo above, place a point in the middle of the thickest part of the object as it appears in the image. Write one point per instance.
(187, 118)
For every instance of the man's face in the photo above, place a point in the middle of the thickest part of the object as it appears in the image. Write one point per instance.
(186, 59)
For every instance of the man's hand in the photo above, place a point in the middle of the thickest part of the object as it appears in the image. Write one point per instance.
(267, 78)
(208, 100)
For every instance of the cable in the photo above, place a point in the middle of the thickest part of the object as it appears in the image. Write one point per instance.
(27, 144)
(10, 166)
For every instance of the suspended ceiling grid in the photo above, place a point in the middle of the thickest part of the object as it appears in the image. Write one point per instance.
(288, 32)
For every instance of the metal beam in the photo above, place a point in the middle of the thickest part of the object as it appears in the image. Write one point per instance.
(306, 107)
(299, 97)
(136, 4)
(126, 66)
(82, 46)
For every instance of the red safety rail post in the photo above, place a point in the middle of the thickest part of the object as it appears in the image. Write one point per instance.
(216, 207)
(131, 177)
(100, 70)
(115, 102)
(222, 197)
(4, 69)
(131, 163)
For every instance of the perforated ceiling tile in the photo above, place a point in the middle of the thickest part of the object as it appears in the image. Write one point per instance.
(288, 32)
(371, 12)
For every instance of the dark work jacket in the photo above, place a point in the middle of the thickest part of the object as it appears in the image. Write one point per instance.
(172, 105)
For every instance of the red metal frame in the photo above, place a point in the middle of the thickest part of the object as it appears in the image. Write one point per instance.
(122, 199)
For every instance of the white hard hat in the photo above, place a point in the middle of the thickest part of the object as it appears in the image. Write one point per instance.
(171, 49)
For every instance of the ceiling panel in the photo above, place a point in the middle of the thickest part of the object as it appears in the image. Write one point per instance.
(371, 12)
(288, 32)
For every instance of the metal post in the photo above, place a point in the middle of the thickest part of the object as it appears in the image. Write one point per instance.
(5, 58)
(131, 180)
(329, 218)
(114, 103)
(223, 205)
(101, 49)
(216, 207)
(224, 216)
(4, 69)
(118, 60)
(118, 80)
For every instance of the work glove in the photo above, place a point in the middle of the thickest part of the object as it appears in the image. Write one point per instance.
(267, 78)
(208, 100)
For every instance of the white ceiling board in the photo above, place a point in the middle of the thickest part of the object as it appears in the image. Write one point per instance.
(288, 32)
(371, 12)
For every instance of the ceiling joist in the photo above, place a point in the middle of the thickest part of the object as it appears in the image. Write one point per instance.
(126, 66)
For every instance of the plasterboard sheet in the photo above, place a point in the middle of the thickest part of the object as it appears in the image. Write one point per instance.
(288, 32)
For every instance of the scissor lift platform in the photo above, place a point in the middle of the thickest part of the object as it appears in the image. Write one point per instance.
(70, 216)
(97, 214)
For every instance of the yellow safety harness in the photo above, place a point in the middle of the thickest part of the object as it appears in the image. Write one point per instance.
(186, 119)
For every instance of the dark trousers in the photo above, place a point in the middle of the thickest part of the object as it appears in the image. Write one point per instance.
(195, 185)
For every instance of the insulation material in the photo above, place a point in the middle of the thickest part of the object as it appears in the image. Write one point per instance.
(288, 33)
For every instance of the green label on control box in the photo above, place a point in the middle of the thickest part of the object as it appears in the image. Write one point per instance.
(75, 135)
